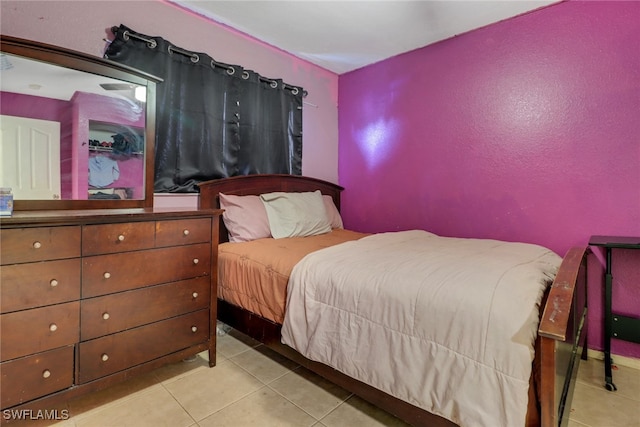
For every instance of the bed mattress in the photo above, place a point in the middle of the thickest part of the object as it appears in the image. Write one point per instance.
(254, 275)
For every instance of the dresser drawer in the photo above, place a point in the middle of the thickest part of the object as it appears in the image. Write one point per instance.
(39, 329)
(37, 375)
(113, 353)
(183, 232)
(119, 237)
(108, 274)
(38, 284)
(39, 244)
(125, 310)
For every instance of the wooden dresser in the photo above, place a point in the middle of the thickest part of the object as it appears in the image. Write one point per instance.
(90, 298)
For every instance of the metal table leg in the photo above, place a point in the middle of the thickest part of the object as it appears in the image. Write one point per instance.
(608, 327)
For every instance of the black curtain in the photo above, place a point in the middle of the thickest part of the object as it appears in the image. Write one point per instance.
(213, 120)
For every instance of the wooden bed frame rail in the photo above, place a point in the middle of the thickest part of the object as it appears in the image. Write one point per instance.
(563, 337)
(562, 330)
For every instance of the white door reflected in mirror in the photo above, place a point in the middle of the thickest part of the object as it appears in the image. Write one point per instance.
(30, 157)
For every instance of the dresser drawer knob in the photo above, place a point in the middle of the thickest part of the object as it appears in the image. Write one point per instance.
(105, 316)
(53, 283)
(121, 237)
(194, 329)
(107, 275)
(196, 260)
(195, 295)
(37, 245)
(185, 232)
(105, 357)
(53, 327)
(46, 373)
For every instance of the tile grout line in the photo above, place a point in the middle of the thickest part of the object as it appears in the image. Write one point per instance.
(225, 406)
(196, 422)
(293, 403)
(304, 410)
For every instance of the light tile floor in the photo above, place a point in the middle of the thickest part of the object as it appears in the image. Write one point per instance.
(254, 386)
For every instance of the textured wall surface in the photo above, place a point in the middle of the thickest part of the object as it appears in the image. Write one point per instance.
(528, 130)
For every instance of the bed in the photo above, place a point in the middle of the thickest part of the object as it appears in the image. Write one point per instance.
(561, 328)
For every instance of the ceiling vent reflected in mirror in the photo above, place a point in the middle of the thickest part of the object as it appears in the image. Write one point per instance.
(5, 62)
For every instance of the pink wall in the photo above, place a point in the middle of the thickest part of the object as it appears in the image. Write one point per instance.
(82, 25)
(526, 130)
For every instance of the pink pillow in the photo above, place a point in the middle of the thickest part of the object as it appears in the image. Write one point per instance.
(332, 212)
(245, 217)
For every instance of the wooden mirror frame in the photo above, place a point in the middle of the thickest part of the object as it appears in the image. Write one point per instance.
(92, 64)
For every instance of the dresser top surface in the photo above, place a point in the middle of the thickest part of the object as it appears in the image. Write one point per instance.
(98, 216)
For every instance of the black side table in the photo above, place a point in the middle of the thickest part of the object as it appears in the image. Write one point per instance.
(615, 325)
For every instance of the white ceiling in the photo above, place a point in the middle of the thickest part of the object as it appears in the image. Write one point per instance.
(36, 78)
(342, 36)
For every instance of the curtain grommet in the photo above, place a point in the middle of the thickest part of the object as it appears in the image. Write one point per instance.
(151, 43)
(231, 71)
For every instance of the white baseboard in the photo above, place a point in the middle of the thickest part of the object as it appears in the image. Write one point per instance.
(630, 362)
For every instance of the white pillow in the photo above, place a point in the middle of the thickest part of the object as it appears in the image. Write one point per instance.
(332, 212)
(296, 214)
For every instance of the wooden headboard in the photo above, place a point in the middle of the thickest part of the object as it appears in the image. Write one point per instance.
(258, 184)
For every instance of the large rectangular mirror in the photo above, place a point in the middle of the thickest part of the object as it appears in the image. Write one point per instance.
(77, 131)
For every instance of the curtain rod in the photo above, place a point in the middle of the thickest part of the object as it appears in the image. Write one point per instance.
(195, 58)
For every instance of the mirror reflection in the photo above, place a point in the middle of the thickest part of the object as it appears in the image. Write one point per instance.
(68, 134)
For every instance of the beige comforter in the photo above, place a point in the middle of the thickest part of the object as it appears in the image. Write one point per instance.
(445, 324)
